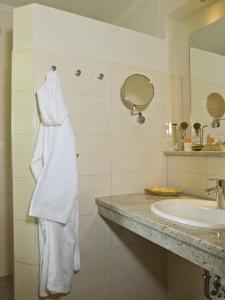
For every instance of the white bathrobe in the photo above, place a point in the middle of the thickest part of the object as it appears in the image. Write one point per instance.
(55, 198)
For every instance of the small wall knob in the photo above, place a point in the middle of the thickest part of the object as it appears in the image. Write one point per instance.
(77, 73)
(100, 76)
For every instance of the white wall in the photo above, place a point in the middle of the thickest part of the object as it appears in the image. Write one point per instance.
(116, 155)
(5, 147)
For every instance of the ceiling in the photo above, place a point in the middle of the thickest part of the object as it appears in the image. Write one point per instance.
(119, 11)
(210, 38)
(104, 10)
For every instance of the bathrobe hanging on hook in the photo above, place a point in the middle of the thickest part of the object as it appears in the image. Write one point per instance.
(55, 198)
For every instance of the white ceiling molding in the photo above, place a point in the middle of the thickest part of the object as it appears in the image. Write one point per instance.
(128, 12)
(6, 7)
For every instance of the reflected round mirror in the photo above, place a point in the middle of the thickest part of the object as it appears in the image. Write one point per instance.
(137, 90)
(215, 105)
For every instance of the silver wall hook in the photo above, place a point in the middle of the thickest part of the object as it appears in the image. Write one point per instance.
(100, 76)
(53, 68)
(77, 72)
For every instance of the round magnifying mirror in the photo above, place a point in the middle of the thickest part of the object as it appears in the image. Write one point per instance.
(137, 90)
(215, 105)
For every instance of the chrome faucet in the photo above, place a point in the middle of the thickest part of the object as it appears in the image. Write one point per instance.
(218, 189)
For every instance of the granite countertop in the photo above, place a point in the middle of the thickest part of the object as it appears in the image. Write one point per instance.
(203, 247)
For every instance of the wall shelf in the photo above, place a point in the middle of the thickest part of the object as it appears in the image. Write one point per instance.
(195, 153)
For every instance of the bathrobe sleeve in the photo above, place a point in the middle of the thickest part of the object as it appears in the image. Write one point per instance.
(54, 163)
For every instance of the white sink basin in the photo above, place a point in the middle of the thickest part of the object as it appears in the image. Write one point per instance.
(192, 212)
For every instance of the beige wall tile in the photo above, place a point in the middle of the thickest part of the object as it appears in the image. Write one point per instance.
(176, 89)
(6, 34)
(23, 62)
(5, 154)
(186, 111)
(23, 36)
(99, 294)
(95, 272)
(94, 155)
(5, 72)
(178, 288)
(140, 260)
(91, 187)
(22, 112)
(6, 263)
(195, 165)
(95, 87)
(6, 235)
(89, 115)
(123, 237)
(184, 269)
(24, 242)
(134, 154)
(5, 182)
(23, 147)
(160, 115)
(139, 288)
(5, 97)
(4, 127)
(136, 182)
(216, 166)
(94, 234)
(6, 208)
(177, 114)
(191, 183)
(22, 190)
(26, 286)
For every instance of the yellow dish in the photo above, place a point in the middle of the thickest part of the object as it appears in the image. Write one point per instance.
(164, 191)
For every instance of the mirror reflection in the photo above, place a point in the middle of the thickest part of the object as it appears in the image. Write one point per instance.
(137, 90)
(207, 69)
(137, 93)
(215, 105)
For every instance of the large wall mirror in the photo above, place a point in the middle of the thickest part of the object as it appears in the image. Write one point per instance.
(207, 68)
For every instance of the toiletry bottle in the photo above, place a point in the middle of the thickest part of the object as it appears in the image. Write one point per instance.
(180, 140)
(196, 140)
(174, 135)
(187, 143)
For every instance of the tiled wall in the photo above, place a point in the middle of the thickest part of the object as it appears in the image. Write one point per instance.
(184, 279)
(191, 174)
(116, 155)
(5, 147)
